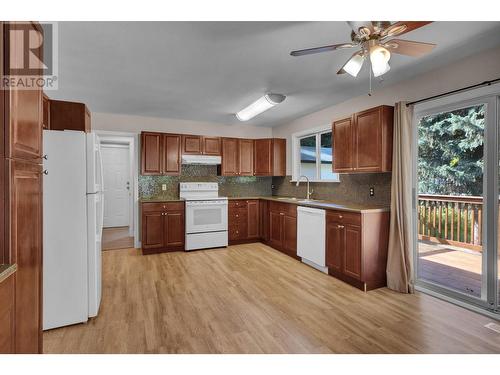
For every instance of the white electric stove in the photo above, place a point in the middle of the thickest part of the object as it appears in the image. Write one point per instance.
(206, 215)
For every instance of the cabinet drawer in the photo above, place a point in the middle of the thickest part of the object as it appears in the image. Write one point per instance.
(238, 203)
(162, 206)
(343, 217)
(289, 209)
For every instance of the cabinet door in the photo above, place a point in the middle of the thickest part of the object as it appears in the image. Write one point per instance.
(342, 145)
(211, 146)
(7, 329)
(290, 235)
(192, 144)
(279, 157)
(46, 112)
(243, 223)
(253, 216)
(172, 154)
(264, 220)
(25, 203)
(245, 157)
(352, 251)
(275, 230)
(151, 153)
(174, 230)
(263, 157)
(23, 107)
(368, 140)
(334, 245)
(230, 157)
(152, 230)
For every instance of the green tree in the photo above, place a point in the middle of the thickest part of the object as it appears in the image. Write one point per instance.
(450, 152)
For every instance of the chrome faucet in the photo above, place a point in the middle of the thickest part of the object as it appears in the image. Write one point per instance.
(309, 192)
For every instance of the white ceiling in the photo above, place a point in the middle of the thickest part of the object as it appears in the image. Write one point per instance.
(207, 71)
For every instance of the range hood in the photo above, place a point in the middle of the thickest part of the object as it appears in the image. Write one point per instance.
(201, 159)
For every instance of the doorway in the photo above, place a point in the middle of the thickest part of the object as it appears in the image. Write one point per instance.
(456, 201)
(118, 163)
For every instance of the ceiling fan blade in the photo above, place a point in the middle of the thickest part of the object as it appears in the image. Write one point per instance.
(353, 65)
(393, 30)
(364, 27)
(410, 26)
(409, 47)
(310, 51)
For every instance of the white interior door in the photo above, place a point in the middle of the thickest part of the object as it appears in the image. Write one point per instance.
(116, 173)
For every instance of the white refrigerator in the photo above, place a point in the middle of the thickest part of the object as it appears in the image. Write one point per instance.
(72, 227)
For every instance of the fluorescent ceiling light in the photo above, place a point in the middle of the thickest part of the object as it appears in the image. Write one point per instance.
(379, 58)
(260, 105)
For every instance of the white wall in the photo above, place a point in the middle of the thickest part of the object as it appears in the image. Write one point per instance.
(472, 70)
(136, 124)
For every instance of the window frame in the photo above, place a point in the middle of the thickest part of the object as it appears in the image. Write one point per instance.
(296, 137)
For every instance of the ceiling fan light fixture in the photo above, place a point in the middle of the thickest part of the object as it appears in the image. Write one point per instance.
(260, 105)
(379, 58)
(353, 66)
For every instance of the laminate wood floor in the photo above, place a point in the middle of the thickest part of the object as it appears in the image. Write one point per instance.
(253, 299)
(116, 238)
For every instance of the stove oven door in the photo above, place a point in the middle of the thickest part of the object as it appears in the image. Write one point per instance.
(206, 216)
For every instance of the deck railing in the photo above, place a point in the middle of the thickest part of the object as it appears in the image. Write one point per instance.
(451, 219)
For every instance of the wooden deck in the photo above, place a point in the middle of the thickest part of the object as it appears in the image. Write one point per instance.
(252, 299)
(451, 266)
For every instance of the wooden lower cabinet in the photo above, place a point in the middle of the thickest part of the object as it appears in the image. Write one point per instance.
(283, 227)
(7, 311)
(356, 247)
(162, 227)
(243, 220)
(25, 230)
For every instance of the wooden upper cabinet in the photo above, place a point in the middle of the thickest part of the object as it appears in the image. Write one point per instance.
(230, 162)
(66, 115)
(151, 153)
(245, 151)
(201, 145)
(270, 157)
(192, 144)
(211, 146)
(23, 108)
(171, 154)
(363, 143)
(160, 154)
(342, 131)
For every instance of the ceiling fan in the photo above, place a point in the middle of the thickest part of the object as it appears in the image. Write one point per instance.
(372, 37)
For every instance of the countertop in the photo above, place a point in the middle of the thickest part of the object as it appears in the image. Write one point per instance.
(6, 270)
(159, 200)
(326, 204)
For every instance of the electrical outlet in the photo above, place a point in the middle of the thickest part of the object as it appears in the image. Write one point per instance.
(163, 187)
(372, 191)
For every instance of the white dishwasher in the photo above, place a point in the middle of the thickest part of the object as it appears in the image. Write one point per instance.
(311, 229)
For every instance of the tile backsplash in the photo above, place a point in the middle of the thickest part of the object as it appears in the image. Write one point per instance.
(229, 186)
(352, 188)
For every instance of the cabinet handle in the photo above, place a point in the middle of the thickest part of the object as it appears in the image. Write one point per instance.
(282, 213)
(45, 172)
(340, 226)
(45, 157)
(237, 215)
(340, 216)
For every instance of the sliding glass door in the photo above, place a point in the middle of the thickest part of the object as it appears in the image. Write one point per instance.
(456, 200)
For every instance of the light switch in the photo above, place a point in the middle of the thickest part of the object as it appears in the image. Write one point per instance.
(163, 187)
